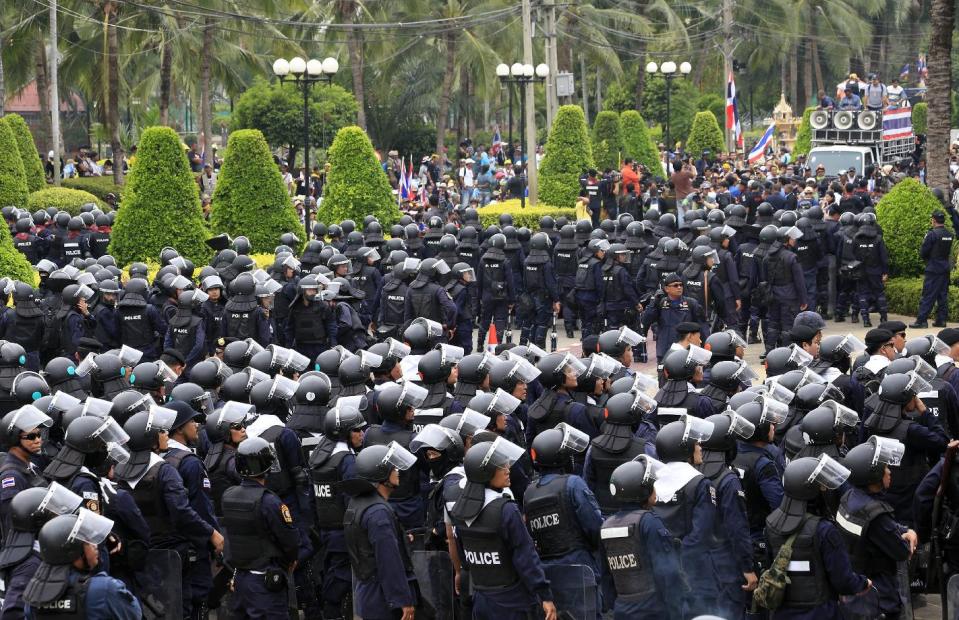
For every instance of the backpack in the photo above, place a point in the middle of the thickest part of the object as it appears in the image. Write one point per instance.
(771, 591)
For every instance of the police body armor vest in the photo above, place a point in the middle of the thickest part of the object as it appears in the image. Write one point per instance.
(25, 331)
(545, 411)
(466, 313)
(362, 556)
(72, 249)
(853, 523)
(184, 336)
(564, 261)
(249, 544)
(149, 498)
(218, 462)
(409, 478)
(176, 458)
(494, 276)
(612, 292)
(27, 245)
(328, 502)
(308, 323)
(622, 548)
(757, 508)
(485, 551)
(71, 605)
(694, 284)
(135, 328)
(778, 272)
(468, 255)
(604, 462)
(422, 296)
(33, 476)
(809, 585)
(279, 479)
(533, 275)
(867, 249)
(943, 246)
(677, 513)
(933, 399)
(99, 241)
(584, 279)
(239, 324)
(394, 302)
(551, 520)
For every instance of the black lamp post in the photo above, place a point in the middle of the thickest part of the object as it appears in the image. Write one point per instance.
(305, 74)
(668, 71)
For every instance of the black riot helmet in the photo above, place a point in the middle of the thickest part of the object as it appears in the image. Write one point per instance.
(198, 398)
(21, 420)
(633, 481)
(441, 448)
(376, 463)
(127, 403)
(394, 399)
(730, 375)
(554, 447)
(254, 457)
(484, 458)
(210, 373)
(61, 542)
(900, 389)
(805, 477)
(342, 420)
(677, 441)
(555, 366)
(867, 462)
(29, 386)
(314, 390)
(728, 427)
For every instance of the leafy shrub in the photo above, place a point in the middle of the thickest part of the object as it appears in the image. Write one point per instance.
(711, 102)
(904, 216)
(63, 198)
(250, 198)
(161, 206)
(98, 186)
(705, 135)
(357, 185)
(919, 117)
(804, 135)
(682, 105)
(13, 264)
(32, 166)
(567, 155)
(528, 217)
(13, 182)
(262, 261)
(607, 140)
(903, 296)
(637, 142)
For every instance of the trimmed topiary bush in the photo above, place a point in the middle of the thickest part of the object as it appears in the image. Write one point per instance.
(804, 135)
(637, 142)
(705, 135)
(32, 166)
(98, 186)
(357, 185)
(161, 204)
(567, 154)
(528, 217)
(63, 198)
(250, 198)
(13, 264)
(919, 117)
(904, 215)
(13, 182)
(607, 141)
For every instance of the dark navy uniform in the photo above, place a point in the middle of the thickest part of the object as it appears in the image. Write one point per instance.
(762, 484)
(407, 500)
(589, 291)
(464, 298)
(327, 470)
(497, 284)
(935, 250)
(102, 596)
(666, 314)
(540, 285)
(311, 328)
(564, 519)
(619, 294)
(787, 291)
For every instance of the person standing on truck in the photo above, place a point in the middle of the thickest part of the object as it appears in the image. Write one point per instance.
(851, 101)
(876, 95)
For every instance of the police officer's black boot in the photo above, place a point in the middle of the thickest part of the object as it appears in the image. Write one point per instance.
(866, 322)
(840, 318)
(824, 313)
(853, 318)
(753, 337)
(569, 332)
(939, 324)
(917, 324)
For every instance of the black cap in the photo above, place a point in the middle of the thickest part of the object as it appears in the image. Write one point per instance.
(876, 337)
(950, 335)
(687, 327)
(939, 216)
(894, 326)
(174, 356)
(802, 333)
(672, 279)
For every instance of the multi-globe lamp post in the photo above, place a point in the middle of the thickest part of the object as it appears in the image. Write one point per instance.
(522, 74)
(306, 73)
(668, 71)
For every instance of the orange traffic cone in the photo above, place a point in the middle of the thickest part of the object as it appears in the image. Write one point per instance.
(493, 339)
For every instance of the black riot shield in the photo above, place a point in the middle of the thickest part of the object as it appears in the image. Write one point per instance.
(952, 596)
(434, 575)
(160, 585)
(574, 590)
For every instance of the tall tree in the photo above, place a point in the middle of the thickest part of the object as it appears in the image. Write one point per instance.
(942, 17)
(348, 11)
(110, 11)
(206, 105)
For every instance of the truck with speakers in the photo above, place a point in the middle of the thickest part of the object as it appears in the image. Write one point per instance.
(844, 139)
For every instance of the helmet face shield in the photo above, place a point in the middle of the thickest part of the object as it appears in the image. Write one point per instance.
(697, 429)
(917, 384)
(130, 356)
(60, 500)
(432, 436)
(745, 373)
(923, 369)
(234, 412)
(573, 438)
(534, 353)
(698, 356)
(397, 350)
(160, 418)
(412, 395)
(165, 373)
(28, 418)
(809, 377)
(629, 337)
(799, 356)
(283, 388)
(571, 364)
(95, 406)
(844, 416)
(399, 457)
(502, 453)
(433, 329)
(938, 346)
(793, 233)
(740, 426)
(90, 528)
(369, 361)
(62, 402)
(87, 365)
(828, 473)
(504, 402)
(777, 391)
(602, 366)
(736, 340)
(450, 355)
(472, 421)
(851, 344)
(887, 450)
(653, 468)
(774, 411)
(643, 402)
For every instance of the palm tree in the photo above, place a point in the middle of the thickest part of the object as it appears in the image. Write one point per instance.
(942, 17)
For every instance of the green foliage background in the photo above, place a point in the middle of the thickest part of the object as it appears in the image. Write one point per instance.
(904, 215)
(528, 217)
(98, 186)
(919, 117)
(32, 166)
(607, 140)
(63, 198)
(711, 102)
(161, 205)
(356, 186)
(250, 198)
(804, 135)
(13, 264)
(13, 182)
(567, 154)
(705, 135)
(637, 142)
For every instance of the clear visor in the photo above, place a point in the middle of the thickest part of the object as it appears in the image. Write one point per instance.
(279, 356)
(502, 453)
(777, 391)
(8, 286)
(396, 349)
(793, 233)
(434, 329)
(298, 362)
(573, 438)
(256, 377)
(533, 353)
(211, 282)
(774, 411)
(86, 278)
(160, 418)
(851, 344)
(643, 383)
(90, 528)
(85, 292)
(698, 356)
(322, 280)
(398, 456)
(938, 346)
(809, 377)
(357, 401)
(409, 365)
(234, 412)
(728, 231)
(260, 276)
(62, 401)
(739, 426)
(272, 287)
(28, 418)
(450, 355)
(374, 255)
(923, 369)
(504, 402)
(180, 263)
(653, 468)
(330, 292)
(831, 392)
(713, 255)
(522, 371)
(843, 416)
(799, 356)
(887, 450)
(432, 436)
(199, 297)
(829, 473)
(290, 262)
(697, 429)
(917, 384)
(643, 402)
(87, 365)
(129, 356)
(411, 264)
(252, 347)
(180, 282)
(283, 388)
(441, 267)
(165, 373)
(97, 407)
(736, 340)
(412, 395)
(629, 337)
(369, 360)
(601, 366)
(60, 500)
(745, 373)
(472, 421)
(573, 364)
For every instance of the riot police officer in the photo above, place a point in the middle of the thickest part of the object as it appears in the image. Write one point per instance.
(262, 540)
(498, 285)
(667, 310)
(620, 297)
(22, 440)
(681, 367)
(186, 331)
(462, 290)
(25, 325)
(225, 428)
(564, 264)
(787, 287)
(935, 251)
(589, 285)
(425, 298)
(870, 250)
(540, 297)
(141, 324)
(310, 324)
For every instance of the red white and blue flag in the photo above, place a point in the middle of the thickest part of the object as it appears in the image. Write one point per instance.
(732, 112)
(760, 149)
(896, 123)
(904, 72)
(921, 67)
(497, 143)
(406, 180)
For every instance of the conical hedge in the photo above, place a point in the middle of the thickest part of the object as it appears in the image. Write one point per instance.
(568, 154)
(13, 182)
(637, 143)
(904, 215)
(705, 135)
(250, 198)
(32, 166)
(357, 185)
(607, 140)
(161, 204)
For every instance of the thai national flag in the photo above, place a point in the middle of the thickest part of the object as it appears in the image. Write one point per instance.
(757, 153)
(497, 143)
(406, 181)
(732, 112)
(897, 124)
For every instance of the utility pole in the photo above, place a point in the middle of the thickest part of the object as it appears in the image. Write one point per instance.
(729, 46)
(552, 100)
(582, 78)
(529, 106)
(55, 93)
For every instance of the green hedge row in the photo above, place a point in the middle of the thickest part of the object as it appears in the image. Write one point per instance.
(64, 199)
(32, 166)
(528, 217)
(98, 186)
(903, 295)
